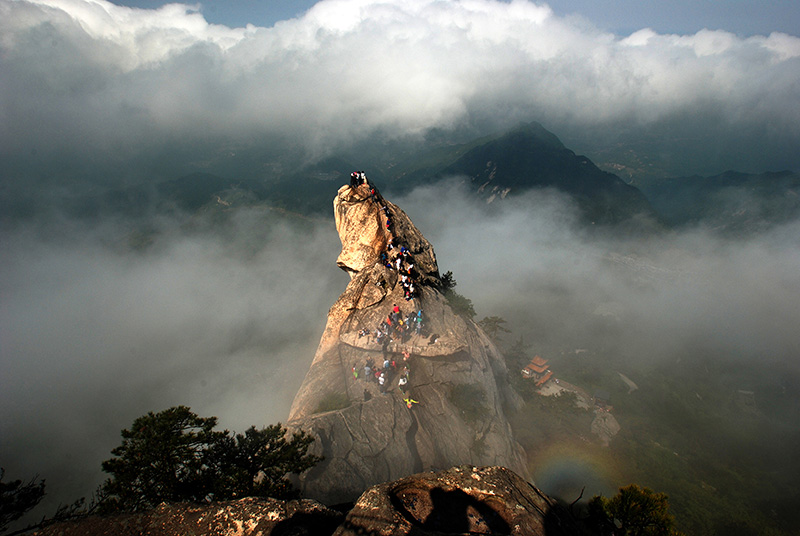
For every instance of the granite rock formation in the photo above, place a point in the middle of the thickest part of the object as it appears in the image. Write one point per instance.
(461, 500)
(368, 434)
(245, 517)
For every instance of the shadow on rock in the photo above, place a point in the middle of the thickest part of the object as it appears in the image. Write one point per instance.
(449, 512)
(308, 524)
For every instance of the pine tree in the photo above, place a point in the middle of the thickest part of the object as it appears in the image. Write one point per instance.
(175, 456)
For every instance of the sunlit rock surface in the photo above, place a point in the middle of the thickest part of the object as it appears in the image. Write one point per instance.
(245, 517)
(461, 500)
(372, 436)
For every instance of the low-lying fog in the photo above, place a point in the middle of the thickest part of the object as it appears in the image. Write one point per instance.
(226, 318)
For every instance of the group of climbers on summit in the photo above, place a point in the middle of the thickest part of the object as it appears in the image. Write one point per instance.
(395, 256)
(395, 326)
(357, 178)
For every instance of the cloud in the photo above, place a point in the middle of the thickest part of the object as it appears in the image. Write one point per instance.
(96, 79)
(95, 334)
(657, 299)
(225, 318)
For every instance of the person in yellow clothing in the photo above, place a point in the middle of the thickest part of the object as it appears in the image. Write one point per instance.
(409, 401)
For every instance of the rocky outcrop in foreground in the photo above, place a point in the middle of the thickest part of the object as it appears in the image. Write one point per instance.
(245, 517)
(452, 409)
(461, 500)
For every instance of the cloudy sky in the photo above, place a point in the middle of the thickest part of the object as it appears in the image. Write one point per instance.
(703, 86)
(743, 17)
(93, 334)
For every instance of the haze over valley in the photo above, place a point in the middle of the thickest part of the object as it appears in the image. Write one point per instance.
(627, 203)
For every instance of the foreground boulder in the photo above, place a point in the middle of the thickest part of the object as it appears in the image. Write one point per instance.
(245, 517)
(461, 500)
(452, 409)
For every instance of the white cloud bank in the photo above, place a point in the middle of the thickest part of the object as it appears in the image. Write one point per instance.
(95, 334)
(96, 78)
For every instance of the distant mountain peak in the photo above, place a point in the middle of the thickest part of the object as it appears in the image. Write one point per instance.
(530, 157)
(535, 130)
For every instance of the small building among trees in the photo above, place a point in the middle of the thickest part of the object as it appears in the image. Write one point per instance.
(537, 371)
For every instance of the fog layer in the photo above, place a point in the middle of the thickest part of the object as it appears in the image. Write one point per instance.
(95, 333)
(226, 318)
(561, 285)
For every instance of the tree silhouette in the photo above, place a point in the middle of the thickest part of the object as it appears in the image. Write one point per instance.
(16, 498)
(461, 305)
(634, 511)
(176, 456)
(255, 464)
(492, 326)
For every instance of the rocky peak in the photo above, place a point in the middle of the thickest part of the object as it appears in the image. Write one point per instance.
(443, 395)
(369, 225)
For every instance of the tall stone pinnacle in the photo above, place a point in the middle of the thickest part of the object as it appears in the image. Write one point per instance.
(451, 409)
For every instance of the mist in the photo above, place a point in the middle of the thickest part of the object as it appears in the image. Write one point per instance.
(95, 332)
(103, 323)
(561, 285)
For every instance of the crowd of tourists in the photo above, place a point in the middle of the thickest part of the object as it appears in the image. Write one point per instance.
(385, 374)
(396, 326)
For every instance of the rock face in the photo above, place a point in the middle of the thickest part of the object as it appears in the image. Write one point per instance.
(605, 427)
(245, 517)
(461, 500)
(457, 378)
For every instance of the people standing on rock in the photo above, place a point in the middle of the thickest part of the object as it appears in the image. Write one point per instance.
(355, 179)
(355, 373)
(406, 332)
(402, 384)
(385, 345)
(382, 383)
